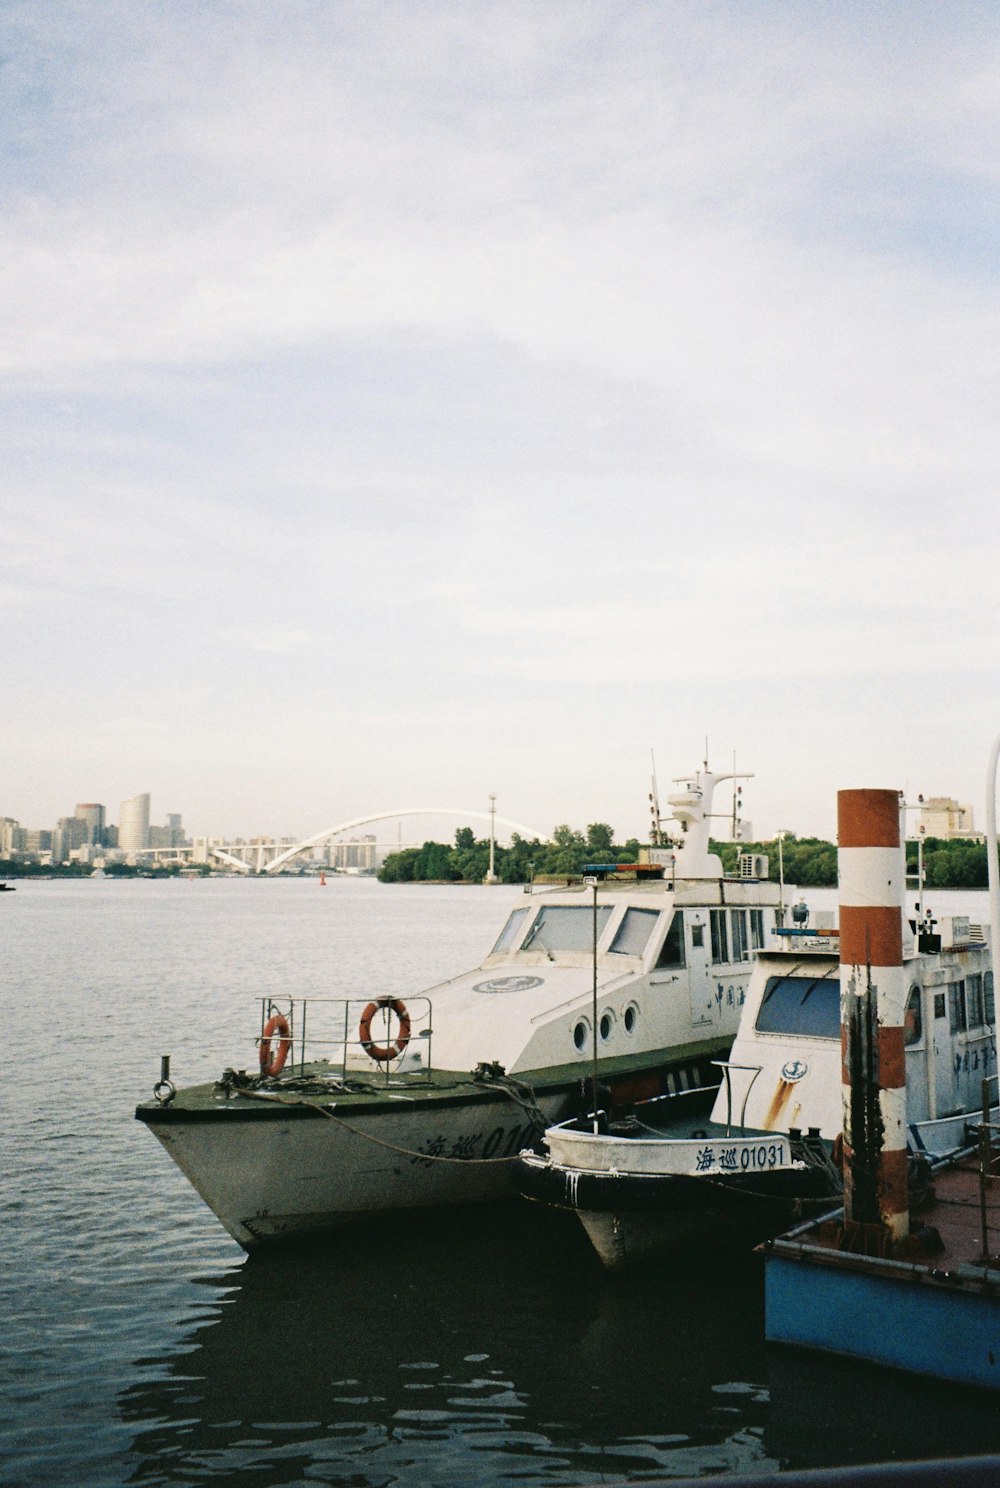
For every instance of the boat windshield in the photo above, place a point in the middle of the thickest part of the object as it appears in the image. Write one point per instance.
(634, 931)
(804, 1005)
(566, 928)
(510, 932)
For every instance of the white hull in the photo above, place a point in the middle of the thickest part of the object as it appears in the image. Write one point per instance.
(288, 1176)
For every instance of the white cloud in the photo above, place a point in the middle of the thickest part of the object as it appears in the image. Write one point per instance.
(390, 352)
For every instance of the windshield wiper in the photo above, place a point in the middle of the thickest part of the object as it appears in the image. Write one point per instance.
(535, 935)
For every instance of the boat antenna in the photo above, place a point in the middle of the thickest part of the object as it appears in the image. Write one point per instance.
(737, 802)
(592, 883)
(654, 807)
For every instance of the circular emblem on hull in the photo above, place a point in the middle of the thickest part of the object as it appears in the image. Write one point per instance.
(794, 1070)
(508, 984)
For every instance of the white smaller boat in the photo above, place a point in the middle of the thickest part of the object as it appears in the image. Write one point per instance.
(766, 1152)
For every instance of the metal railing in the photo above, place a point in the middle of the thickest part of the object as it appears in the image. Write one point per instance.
(989, 1170)
(753, 1070)
(332, 1028)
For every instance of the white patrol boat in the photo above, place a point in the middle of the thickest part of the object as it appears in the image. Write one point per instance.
(664, 1178)
(626, 985)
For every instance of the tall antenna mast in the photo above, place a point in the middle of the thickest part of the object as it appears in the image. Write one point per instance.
(654, 807)
(735, 794)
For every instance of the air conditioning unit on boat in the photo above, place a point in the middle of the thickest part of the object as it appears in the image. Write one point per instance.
(753, 865)
(955, 931)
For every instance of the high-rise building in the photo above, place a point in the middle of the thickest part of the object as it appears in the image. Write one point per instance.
(12, 837)
(70, 833)
(93, 814)
(133, 824)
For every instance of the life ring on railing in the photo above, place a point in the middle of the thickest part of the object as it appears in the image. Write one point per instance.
(382, 1053)
(273, 1064)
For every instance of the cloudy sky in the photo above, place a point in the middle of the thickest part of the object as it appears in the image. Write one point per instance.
(407, 401)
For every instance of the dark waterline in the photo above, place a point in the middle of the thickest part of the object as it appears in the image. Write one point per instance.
(141, 1346)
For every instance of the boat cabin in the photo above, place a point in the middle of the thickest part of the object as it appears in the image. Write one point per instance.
(784, 1068)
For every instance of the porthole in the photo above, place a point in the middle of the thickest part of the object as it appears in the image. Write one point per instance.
(581, 1034)
(607, 1025)
(630, 1018)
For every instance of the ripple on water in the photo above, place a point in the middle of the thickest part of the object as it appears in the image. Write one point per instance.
(141, 1346)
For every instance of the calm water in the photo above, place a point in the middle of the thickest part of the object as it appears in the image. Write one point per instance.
(142, 1346)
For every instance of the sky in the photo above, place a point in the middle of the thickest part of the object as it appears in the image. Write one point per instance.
(405, 402)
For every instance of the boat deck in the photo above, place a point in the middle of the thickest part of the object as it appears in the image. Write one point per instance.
(946, 1234)
(931, 1308)
(320, 1085)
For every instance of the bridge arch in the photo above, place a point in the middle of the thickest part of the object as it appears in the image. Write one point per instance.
(361, 821)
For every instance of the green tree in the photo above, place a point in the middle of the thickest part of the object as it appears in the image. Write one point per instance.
(568, 851)
(600, 841)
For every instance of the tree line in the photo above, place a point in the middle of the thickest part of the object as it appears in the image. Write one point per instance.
(808, 862)
(469, 860)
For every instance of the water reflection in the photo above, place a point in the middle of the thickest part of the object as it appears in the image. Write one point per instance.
(485, 1345)
(827, 1410)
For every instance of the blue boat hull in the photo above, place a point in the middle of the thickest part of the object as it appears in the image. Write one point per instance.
(925, 1327)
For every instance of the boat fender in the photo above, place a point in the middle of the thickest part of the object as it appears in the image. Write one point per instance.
(382, 1053)
(274, 1063)
(838, 1150)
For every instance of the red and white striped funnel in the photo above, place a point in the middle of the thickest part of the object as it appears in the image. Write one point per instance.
(872, 869)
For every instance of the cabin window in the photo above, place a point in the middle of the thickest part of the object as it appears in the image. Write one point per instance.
(974, 1000)
(634, 932)
(913, 1019)
(697, 937)
(720, 942)
(756, 929)
(738, 928)
(510, 932)
(802, 1005)
(564, 929)
(939, 1005)
(956, 1007)
(989, 1005)
(672, 951)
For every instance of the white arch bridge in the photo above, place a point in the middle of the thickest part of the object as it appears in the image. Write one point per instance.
(263, 856)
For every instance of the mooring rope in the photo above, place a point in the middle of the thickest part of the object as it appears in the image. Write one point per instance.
(281, 1100)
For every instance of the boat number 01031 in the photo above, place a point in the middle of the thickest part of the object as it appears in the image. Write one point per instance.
(770, 1156)
(747, 1159)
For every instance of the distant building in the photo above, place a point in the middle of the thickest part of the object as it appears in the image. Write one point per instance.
(92, 813)
(37, 842)
(170, 835)
(133, 825)
(70, 834)
(13, 837)
(940, 816)
(356, 856)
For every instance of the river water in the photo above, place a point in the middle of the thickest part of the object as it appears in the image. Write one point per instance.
(141, 1346)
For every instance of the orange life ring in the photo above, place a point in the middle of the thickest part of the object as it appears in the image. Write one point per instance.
(273, 1064)
(379, 1052)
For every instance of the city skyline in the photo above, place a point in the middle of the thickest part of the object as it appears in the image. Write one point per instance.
(932, 816)
(410, 403)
